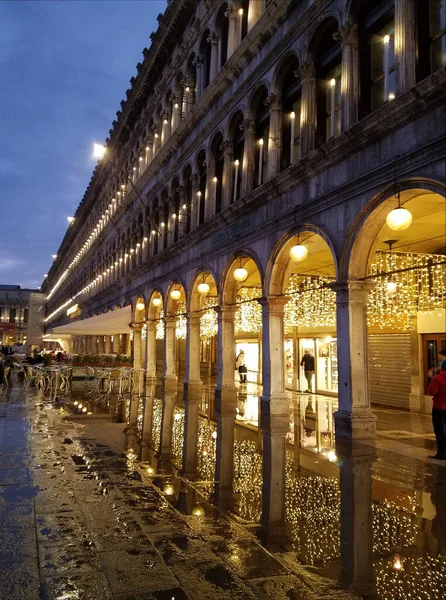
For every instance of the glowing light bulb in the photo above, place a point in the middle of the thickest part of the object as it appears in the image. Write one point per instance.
(168, 489)
(156, 301)
(240, 274)
(140, 306)
(198, 511)
(299, 252)
(399, 219)
(203, 288)
(175, 294)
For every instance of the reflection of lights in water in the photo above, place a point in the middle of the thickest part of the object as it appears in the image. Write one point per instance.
(178, 436)
(150, 470)
(168, 489)
(198, 511)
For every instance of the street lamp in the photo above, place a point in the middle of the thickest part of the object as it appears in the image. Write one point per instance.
(98, 151)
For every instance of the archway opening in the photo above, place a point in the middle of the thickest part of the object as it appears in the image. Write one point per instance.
(406, 313)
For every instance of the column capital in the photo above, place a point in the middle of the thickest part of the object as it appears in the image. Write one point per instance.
(275, 304)
(198, 62)
(273, 102)
(136, 327)
(212, 39)
(227, 311)
(170, 320)
(248, 126)
(347, 35)
(227, 146)
(307, 71)
(352, 290)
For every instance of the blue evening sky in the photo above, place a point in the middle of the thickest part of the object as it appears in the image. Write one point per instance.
(64, 68)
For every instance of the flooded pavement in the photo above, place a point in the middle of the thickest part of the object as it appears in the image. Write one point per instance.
(80, 519)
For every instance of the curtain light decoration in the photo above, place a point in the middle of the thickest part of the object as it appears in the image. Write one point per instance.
(400, 296)
(181, 324)
(248, 317)
(144, 331)
(160, 326)
(208, 320)
(311, 303)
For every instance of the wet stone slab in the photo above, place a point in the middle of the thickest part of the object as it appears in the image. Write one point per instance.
(19, 580)
(82, 586)
(137, 570)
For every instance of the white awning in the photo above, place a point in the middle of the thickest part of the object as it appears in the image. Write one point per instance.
(110, 323)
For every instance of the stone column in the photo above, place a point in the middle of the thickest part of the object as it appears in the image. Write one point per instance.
(255, 11)
(405, 45)
(137, 340)
(225, 403)
(165, 131)
(198, 64)
(354, 418)
(308, 109)
(169, 376)
(175, 113)
(149, 149)
(275, 135)
(356, 462)
(194, 212)
(192, 395)
(416, 396)
(147, 424)
(228, 175)
(234, 30)
(274, 412)
(209, 208)
(213, 40)
(107, 348)
(349, 75)
(248, 165)
(151, 351)
(156, 142)
(167, 426)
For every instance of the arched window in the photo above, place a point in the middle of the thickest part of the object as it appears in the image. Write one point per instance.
(328, 63)
(202, 180)
(218, 158)
(185, 210)
(237, 138)
(260, 111)
(377, 54)
(175, 210)
(291, 104)
(222, 31)
(431, 20)
(164, 216)
(189, 85)
(205, 61)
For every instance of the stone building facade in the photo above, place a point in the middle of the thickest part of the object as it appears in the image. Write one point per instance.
(253, 128)
(22, 313)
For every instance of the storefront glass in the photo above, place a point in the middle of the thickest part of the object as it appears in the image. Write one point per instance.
(327, 365)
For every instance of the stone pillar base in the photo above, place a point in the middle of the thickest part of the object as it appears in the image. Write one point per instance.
(360, 425)
(170, 384)
(225, 396)
(193, 389)
(416, 403)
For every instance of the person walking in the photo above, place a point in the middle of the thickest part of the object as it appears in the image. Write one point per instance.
(307, 363)
(240, 365)
(437, 389)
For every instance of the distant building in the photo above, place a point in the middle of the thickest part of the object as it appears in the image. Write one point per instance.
(21, 316)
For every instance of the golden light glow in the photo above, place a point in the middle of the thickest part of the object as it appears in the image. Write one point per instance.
(175, 294)
(156, 301)
(203, 288)
(299, 252)
(240, 274)
(98, 151)
(140, 306)
(399, 219)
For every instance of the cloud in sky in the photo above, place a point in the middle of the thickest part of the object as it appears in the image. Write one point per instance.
(64, 68)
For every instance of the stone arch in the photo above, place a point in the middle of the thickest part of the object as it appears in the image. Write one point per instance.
(171, 307)
(154, 311)
(229, 286)
(234, 118)
(204, 275)
(279, 263)
(280, 68)
(317, 30)
(255, 95)
(139, 314)
(363, 232)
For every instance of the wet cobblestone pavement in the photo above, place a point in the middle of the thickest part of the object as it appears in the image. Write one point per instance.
(80, 521)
